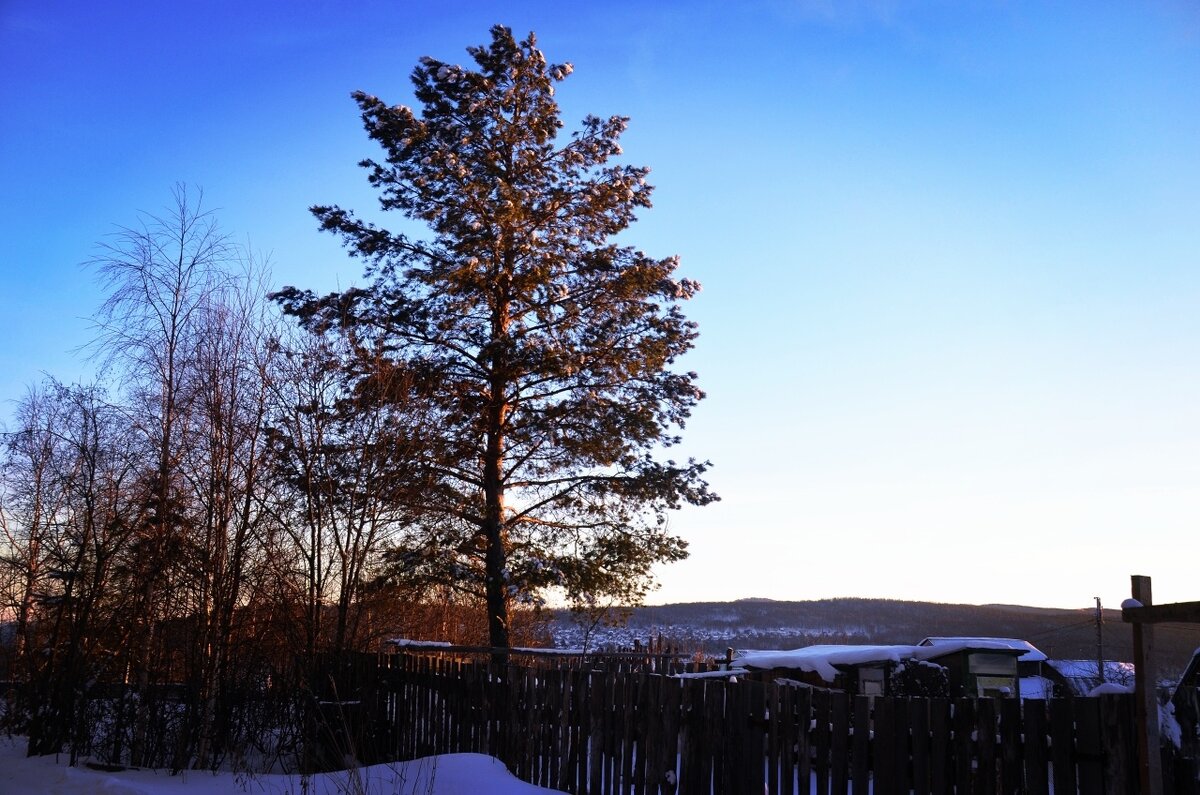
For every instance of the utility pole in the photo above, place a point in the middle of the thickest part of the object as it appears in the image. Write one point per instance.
(1099, 640)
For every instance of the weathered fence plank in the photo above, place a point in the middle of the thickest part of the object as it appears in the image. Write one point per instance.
(921, 751)
(1012, 775)
(803, 709)
(754, 735)
(1034, 748)
(820, 738)
(985, 746)
(691, 728)
(963, 747)
(668, 761)
(773, 757)
(1089, 752)
(839, 747)
(885, 746)
(713, 749)
(860, 751)
(1062, 745)
(941, 758)
(596, 734)
(902, 748)
(1117, 723)
(729, 752)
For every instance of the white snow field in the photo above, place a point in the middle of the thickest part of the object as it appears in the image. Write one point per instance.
(450, 774)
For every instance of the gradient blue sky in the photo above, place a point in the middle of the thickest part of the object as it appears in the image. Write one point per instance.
(950, 327)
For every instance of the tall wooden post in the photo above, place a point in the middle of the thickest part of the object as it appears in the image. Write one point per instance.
(1146, 694)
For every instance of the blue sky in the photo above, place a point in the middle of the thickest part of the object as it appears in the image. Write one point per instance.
(949, 327)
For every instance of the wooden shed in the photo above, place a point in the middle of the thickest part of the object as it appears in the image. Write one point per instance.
(982, 666)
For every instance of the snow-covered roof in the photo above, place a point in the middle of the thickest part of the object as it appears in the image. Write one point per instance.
(823, 660)
(1031, 652)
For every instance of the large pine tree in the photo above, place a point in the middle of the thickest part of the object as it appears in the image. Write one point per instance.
(547, 348)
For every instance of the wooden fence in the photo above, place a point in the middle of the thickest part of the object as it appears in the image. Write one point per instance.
(603, 732)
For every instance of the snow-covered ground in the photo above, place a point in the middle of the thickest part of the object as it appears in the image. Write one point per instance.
(450, 774)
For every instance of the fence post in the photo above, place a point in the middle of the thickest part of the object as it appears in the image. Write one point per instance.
(1146, 690)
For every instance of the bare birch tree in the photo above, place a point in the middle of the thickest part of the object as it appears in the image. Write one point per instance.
(160, 276)
(223, 469)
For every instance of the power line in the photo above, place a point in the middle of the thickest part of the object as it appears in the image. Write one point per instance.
(1055, 630)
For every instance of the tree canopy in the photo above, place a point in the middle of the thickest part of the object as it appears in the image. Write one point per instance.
(545, 351)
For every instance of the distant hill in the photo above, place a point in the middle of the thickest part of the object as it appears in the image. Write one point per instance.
(711, 627)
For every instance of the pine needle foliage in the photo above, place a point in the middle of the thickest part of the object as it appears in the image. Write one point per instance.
(547, 349)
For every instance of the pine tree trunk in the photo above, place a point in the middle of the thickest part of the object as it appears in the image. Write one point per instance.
(496, 559)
